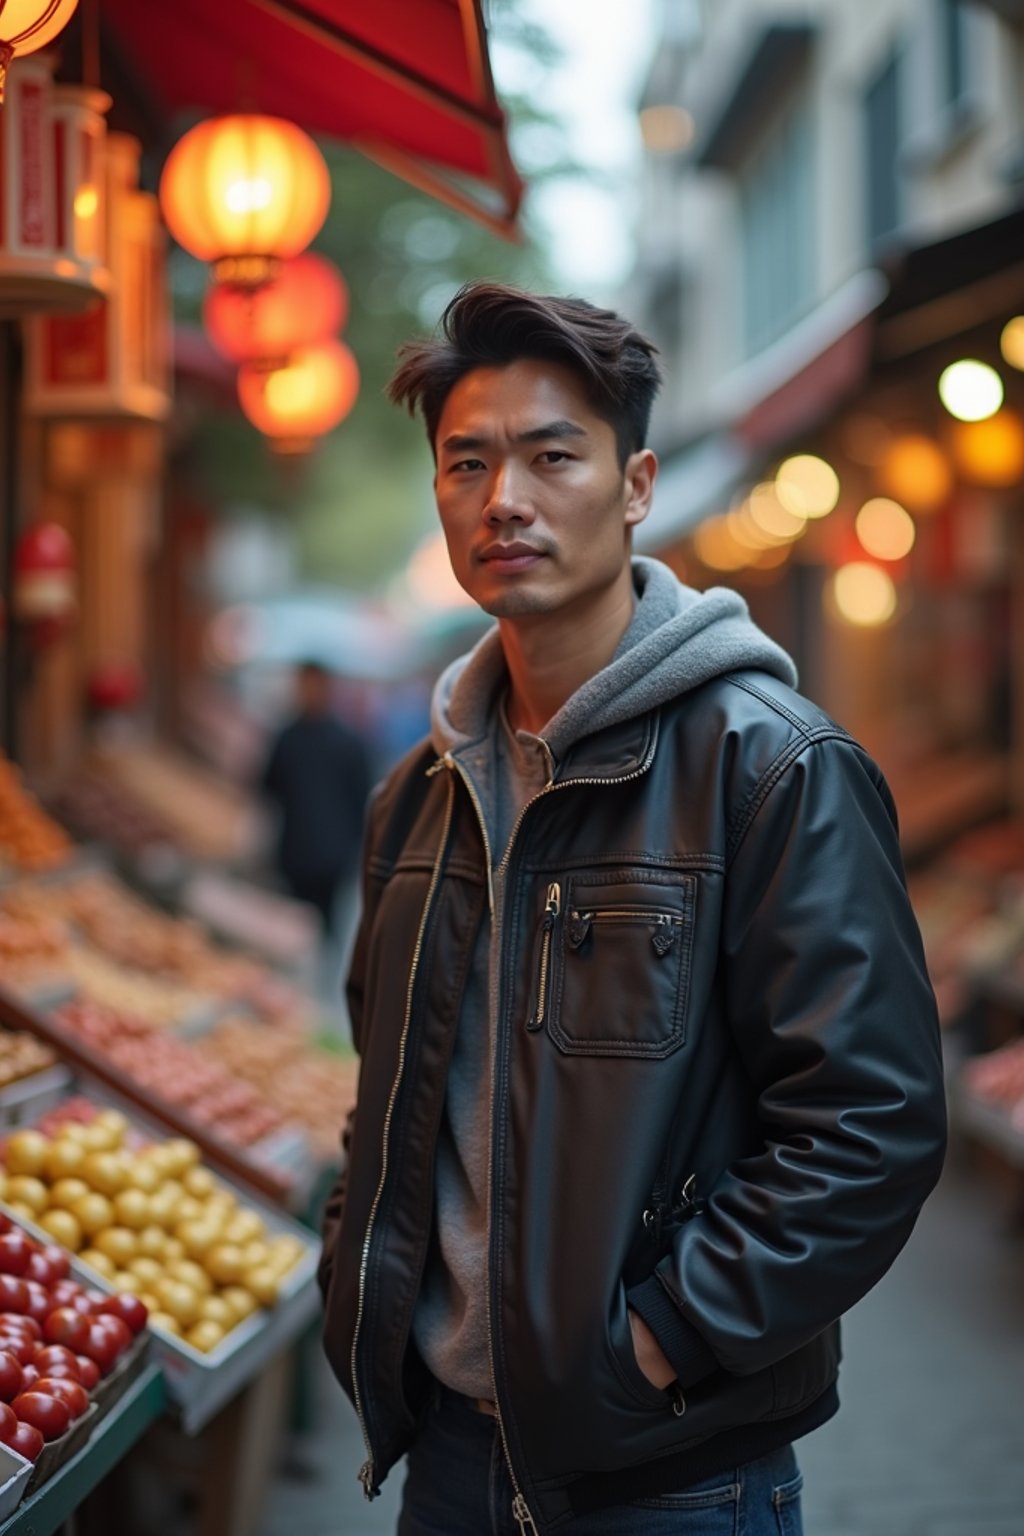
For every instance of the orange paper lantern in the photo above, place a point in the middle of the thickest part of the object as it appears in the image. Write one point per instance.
(298, 403)
(305, 303)
(28, 25)
(245, 193)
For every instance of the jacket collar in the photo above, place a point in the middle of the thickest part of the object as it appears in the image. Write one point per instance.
(618, 752)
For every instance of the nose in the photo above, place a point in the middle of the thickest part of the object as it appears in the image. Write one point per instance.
(507, 500)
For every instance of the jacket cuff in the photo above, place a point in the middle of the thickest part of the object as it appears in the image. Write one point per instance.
(683, 1347)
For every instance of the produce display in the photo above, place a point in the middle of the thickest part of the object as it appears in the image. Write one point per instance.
(29, 839)
(207, 817)
(99, 980)
(97, 809)
(21, 1056)
(174, 1072)
(305, 1082)
(149, 1218)
(58, 1340)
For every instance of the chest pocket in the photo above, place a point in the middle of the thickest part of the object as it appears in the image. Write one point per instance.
(621, 961)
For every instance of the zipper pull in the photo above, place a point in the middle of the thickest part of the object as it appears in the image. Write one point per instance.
(370, 1492)
(663, 938)
(577, 928)
(521, 1515)
(552, 907)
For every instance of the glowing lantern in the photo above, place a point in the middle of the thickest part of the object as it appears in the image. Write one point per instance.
(885, 529)
(914, 470)
(45, 581)
(991, 452)
(807, 486)
(863, 594)
(970, 390)
(28, 25)
(300, 402)
(245, 193)
(305, 303)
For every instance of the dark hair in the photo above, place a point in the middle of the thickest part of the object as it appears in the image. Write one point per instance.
(492, 324)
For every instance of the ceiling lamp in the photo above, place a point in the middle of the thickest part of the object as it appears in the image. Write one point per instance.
(807, 486)
(914, 470)
(245, 193)
(298, 403)
(27, 25)
(991, 452)
(305, 303)
(970, 391)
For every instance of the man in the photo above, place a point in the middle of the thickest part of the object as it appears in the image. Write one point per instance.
(651, 1088)
(318, 775)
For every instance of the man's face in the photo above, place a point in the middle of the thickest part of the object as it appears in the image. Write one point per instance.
(533, 501)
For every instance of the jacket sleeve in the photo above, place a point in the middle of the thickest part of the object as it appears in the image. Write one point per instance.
(830, 1007)
(354, 996)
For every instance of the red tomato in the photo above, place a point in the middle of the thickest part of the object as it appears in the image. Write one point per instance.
(102, 1346)
(17, 1322)
(15, 1251)
(26, 1440)
(80, 1303)
(5, 1223)
(19, 1345)
(13, 1293)
(60, 1259)
(88, 1371)
(29, 1376)
(129, 1309)
(39, 1305)
(48, 1356)
(64, 1292)
(70, 1392)
(66, 1326)
(49, 1414)
(11, 1375)
(117, 1328)
(8, 1421)
(39, 1268)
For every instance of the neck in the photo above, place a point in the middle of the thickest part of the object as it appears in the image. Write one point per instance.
(550, 656)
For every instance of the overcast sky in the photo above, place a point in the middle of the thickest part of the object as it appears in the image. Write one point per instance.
(607, 46)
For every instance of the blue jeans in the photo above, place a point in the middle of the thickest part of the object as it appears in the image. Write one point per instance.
(458, 1485)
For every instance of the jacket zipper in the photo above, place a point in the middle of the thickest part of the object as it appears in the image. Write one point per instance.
(552, 907)
(366, 1472)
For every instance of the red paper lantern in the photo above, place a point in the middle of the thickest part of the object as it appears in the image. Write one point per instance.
(305, 303)
(115, 685)
(43, 594)
(296, 404)
(245, 192)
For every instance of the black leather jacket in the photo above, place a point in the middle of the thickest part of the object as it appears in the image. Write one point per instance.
(717, 1092)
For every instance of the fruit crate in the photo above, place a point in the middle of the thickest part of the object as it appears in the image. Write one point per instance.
(15, 1472)
(56, 1452)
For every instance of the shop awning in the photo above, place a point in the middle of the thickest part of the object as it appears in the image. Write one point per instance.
(408, 82)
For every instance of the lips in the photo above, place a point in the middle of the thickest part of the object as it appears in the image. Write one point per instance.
(510, 554)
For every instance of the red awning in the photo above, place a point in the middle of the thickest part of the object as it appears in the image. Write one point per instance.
(408, 82)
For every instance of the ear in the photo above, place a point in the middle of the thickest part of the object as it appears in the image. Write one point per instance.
(640, 473)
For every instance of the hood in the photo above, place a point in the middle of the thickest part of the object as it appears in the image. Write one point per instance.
(678, 639)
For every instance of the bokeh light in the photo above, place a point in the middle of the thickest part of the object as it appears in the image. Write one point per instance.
(1011, 342)
(991, 452)
(864, 594)
(666, 129)
(970, 390)
(885, 529)
(807, 486)
(915, 471)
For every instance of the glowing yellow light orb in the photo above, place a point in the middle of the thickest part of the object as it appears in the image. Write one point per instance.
(991, 452)
(970, 391)
(864, 594)
(807, 486)
(1011, 342)
(885, 529)
(914, 470)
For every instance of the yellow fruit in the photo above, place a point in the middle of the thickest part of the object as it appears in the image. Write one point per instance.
(189, 1209)
(164, 1321)
(63, 1158)
(98, 1261)
(26, 1189)
(226, 1262)
(244, 1227)
(197, 1236)
(125, 1280)
(179, 1299)
(131, 1207)
(105, 1171)
(263, 1282)
(3, 1183)
(190, 1273)
(63, 1228)
(221, 1203)
(241, 1301)
(174, 1249)
(214, 1309)
(95, 1138)
(152, 1242)
(21, 1210)
(149, 1301)
(142, 1175)
(119, 1243)
(26, 1152)
(199, 1181)
(114, 1123)
(184, 1153)
(93, 1213)
(64, 1192)
(256, 1253)
(204, 1336)
(147, 1271)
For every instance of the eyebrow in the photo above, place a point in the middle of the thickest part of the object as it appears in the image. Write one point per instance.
(464, 442)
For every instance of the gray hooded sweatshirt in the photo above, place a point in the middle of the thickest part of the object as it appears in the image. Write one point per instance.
(677, 639)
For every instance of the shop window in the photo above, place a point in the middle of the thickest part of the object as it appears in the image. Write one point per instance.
(778, 232)
(883, 132)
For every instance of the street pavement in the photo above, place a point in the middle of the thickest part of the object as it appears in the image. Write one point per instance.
(930, 1437)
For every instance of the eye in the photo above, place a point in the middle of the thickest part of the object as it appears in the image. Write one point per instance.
(464, 466)
(554, 456)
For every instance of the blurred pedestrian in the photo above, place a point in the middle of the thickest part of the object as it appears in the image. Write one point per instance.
(651, 1087)
(317, 774)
